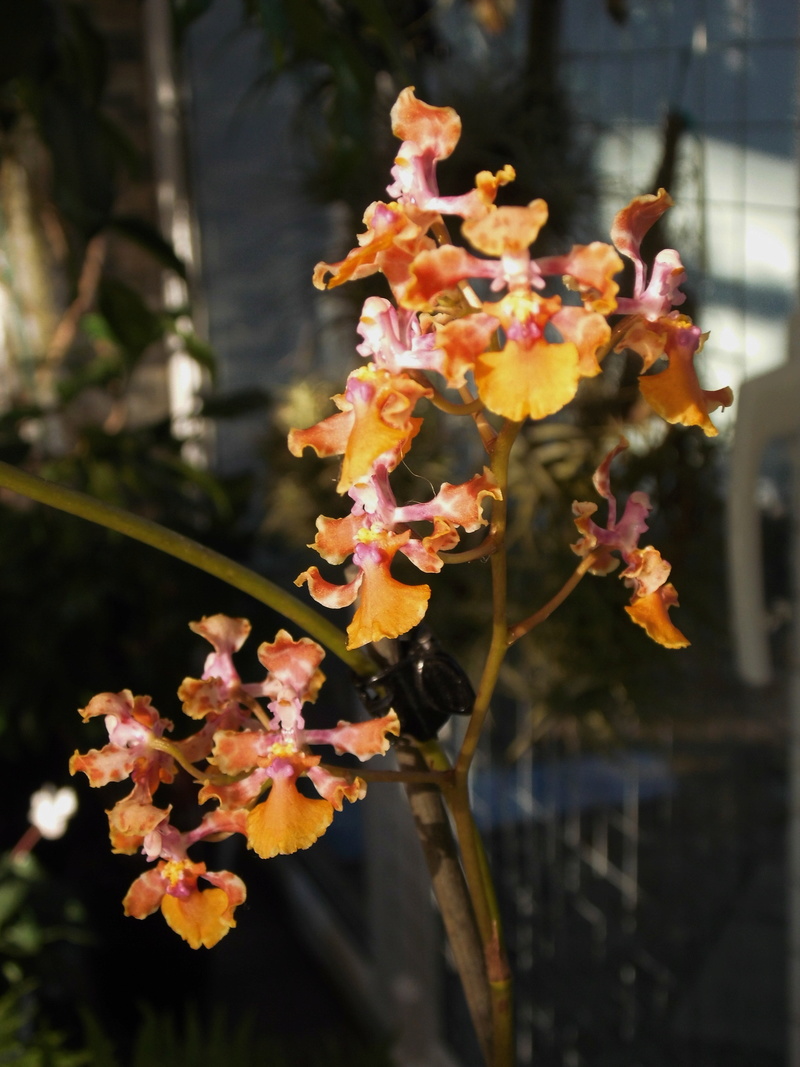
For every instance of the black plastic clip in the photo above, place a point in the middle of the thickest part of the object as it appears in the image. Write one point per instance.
(425, 686)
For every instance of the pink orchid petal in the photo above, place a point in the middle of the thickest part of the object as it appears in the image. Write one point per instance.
(327, 593)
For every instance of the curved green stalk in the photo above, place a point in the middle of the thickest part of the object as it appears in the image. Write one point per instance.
(476, 870)
(499, 642)
(191, 552)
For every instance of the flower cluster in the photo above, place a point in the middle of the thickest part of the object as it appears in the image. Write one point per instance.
(524, 352)
(246, 758)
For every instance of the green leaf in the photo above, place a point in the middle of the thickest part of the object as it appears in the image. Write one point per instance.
(96, 327)
(148, 237)
(200, 351)
(100, 374)
(99, 1048)
(133, 324)
(12, 894)
(24, 936)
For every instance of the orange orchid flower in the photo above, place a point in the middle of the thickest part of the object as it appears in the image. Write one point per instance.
(646, 572)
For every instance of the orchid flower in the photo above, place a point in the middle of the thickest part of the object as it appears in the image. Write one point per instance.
(374, 532)
(199, 916)
(657, 330)
(531, 375)
(396, 232)
(645, 572)
(277, 756)
(134, 731)
(429, 135)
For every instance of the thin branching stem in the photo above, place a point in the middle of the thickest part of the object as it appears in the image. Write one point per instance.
(526, 625)
(499, 643)
(196, 555)
(171, 748)
(473, 858)
(370, 774)
(481, 551)
(449, 407)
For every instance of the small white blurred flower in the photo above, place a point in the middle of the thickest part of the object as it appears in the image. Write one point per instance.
(51, 809)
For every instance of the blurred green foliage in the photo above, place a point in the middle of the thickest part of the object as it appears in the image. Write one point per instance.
(36, 925)
(41, 1026)
(85, 604)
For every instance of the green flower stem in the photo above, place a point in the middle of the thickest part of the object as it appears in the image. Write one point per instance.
(499, 640)
(617, 336)
(473, 923)
(196, 555)
(473, 857)
(172, 749)
(441, 402)
(449, 886)
(484, 903)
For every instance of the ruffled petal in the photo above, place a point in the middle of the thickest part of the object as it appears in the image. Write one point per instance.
(459, 343)
(145, 894)
(231, 884)
(383, 426)
(646, 572)
(202, 697)
(293, 666)
(588, 331)
(436, 270)
(432, 129)
(336, 789)
(386, 607)
(424, 551)
(239, 751)
(391, 242)
(652, 613)
(508, 229)
(101, 766)
(327, 438)
(460, 504)
(131, 820)
(328, 593)
(217, 822)
(227, 635)
(336, 538)
(524, 381)
(675, 393)
(647, 339)
(632, 223)
(234, 797)
(588, 270)
(287, 821)
(362, 739)
(201, 919)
